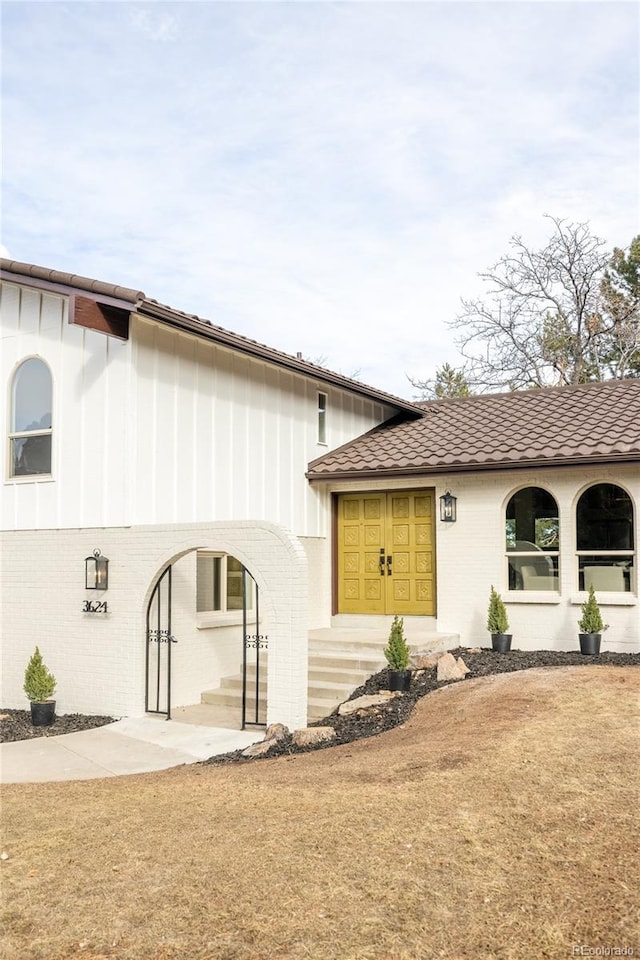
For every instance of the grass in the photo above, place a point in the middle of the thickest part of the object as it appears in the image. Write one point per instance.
(500, 821)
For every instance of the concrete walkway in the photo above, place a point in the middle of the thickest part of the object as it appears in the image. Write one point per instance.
(132, 745)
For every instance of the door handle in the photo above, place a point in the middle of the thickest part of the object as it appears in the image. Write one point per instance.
(389, 562)
(381, 562)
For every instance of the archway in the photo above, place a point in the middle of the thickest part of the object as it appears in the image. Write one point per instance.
(277, 563)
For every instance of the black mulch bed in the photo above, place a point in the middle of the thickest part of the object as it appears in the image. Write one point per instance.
(16, 724)
(397, 710)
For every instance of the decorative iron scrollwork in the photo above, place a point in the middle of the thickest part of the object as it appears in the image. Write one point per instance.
(160, 636)
(256, 641)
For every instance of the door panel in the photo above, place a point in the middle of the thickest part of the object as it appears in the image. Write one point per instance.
(360, 540)
(386, 553)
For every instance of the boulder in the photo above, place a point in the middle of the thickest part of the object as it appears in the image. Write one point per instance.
(449, 669)
(276, 731)
(307, 736)
(364, 703)
(260, 748)
(426, 660)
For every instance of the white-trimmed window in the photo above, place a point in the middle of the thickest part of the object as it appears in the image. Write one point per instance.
(30, 428)
(219, 584)
(532, 534)
(604, 539)
(322, 417)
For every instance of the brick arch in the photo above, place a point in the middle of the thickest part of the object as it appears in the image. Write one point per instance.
(276, 560)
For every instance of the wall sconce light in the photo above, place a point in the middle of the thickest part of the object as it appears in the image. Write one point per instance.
(96, 572)
(448, 507)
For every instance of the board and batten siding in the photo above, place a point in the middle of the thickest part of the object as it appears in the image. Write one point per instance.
(90, 408)
(220, 435)
(166, 427)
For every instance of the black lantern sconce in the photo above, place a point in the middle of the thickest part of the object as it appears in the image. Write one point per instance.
(96, 572)
(448, 507)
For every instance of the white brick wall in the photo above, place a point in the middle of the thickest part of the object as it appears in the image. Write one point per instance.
(99, 660)
(471, 556)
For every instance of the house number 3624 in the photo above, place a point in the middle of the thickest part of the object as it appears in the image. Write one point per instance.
(94, 606)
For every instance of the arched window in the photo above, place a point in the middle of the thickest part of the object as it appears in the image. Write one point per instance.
(604, 531)
(30, 427)
(532, 529)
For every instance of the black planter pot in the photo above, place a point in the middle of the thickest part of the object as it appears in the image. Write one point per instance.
(400, 680)
(43, 713)
(590, 643)
(501, 642)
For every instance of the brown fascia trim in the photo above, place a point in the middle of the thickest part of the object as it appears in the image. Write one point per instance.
(208, 331)
(135, 301)
(468, 468)
(101, 317)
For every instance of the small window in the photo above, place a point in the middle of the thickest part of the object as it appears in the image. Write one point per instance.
(31, 420)
(322, 418)
(532, 528)
(605, 545)
(219, 584)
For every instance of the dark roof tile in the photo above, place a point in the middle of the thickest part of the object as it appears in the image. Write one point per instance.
(587, 423)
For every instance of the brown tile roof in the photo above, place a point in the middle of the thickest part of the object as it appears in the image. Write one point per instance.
(592, 423)
(135, 300)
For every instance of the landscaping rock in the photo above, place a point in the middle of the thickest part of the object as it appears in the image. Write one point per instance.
(273, 737)
(464, 669)
(365, 702)
(425, 661)
(450, 669)
(276, 731)
(259, 749)
(307, 736)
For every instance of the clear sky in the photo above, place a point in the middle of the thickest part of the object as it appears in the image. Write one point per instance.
(322, 177)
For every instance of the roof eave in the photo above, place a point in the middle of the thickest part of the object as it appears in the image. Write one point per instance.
(136, 301)
(208, 331)
(396, 472)
(31, 275)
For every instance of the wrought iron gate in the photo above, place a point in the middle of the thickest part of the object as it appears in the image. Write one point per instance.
(159, 644)
(251, 643)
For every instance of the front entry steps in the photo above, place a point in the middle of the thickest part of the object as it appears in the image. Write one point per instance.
(340, 659)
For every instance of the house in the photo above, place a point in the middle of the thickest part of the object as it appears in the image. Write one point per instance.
(547, 490)
(244, 497)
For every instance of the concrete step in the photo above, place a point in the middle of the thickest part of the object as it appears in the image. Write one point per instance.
(339, 661)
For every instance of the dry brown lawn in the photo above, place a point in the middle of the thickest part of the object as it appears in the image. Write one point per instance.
(500, 821)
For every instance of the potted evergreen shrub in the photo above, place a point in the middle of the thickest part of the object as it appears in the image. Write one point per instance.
(39, 686)
(397, 656)
(591, 625)
(498, 623)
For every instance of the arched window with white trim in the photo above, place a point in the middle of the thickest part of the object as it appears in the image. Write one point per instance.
(532, 533)
(604, 539)
(30, 427)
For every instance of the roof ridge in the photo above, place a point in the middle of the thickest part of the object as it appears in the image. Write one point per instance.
(530, 391)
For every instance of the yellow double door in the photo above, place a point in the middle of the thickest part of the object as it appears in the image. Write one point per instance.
(386, 553)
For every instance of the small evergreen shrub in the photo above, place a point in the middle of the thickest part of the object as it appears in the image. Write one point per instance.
(591, 619)
(497, 620)
(39, 684)
(396, 650)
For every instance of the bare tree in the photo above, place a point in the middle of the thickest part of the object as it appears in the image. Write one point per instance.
(553, 316)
